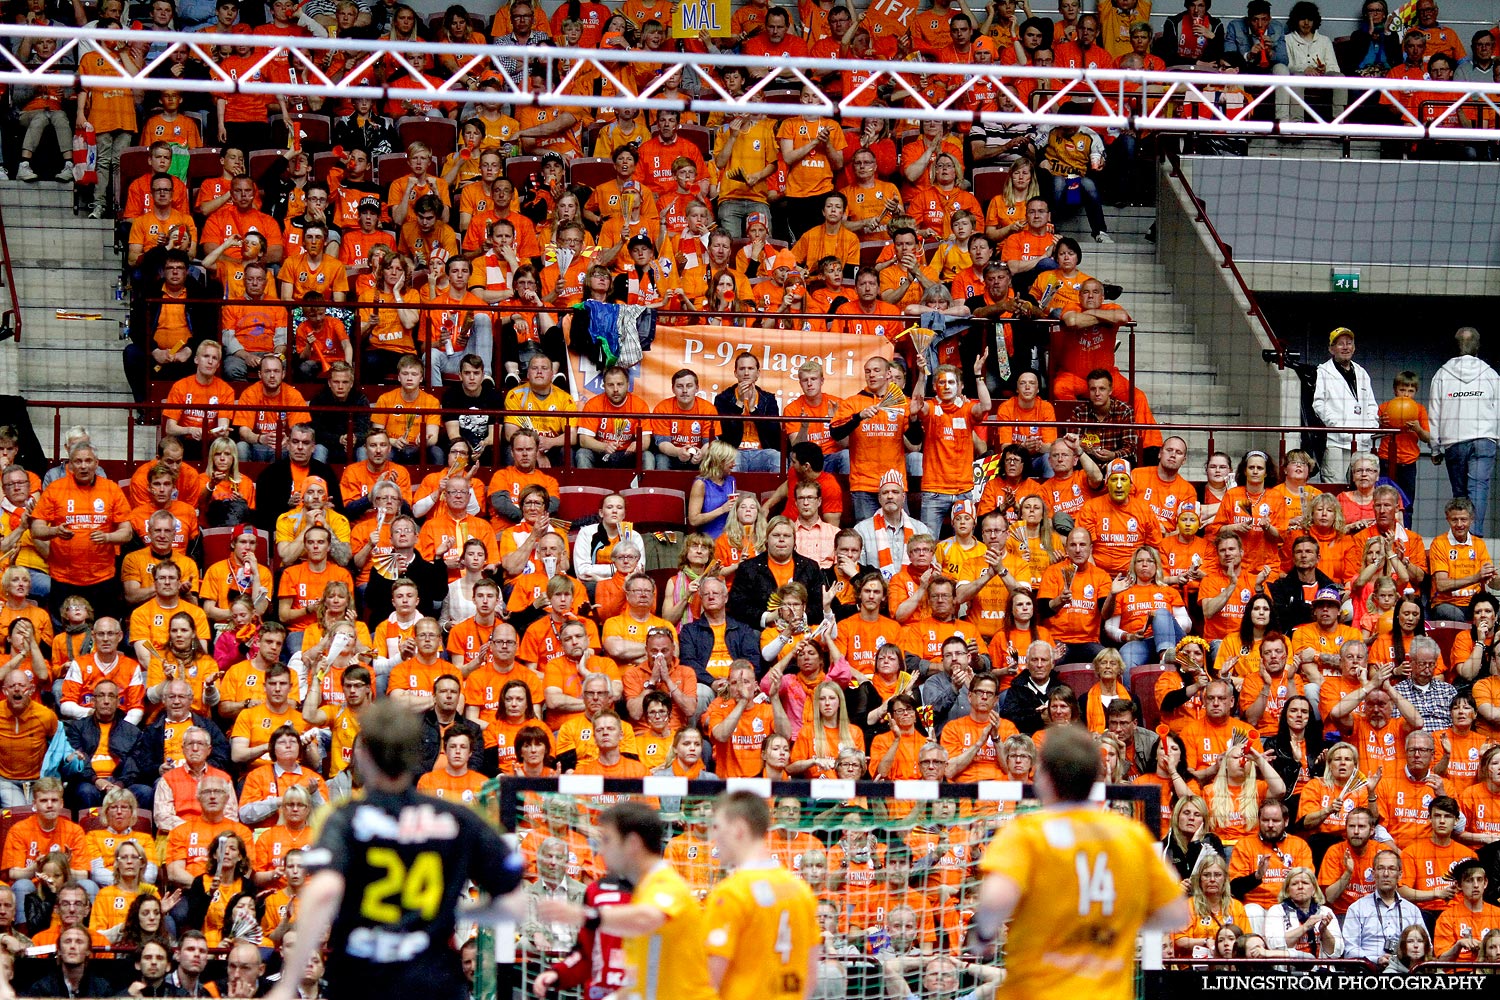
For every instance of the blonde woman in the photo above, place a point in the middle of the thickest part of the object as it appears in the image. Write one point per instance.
(1031, 546)
(1006, 212)
(1237, 791)
(713, 493)
(1112, 753)
(1109, 667)
(1325, 801)
(222, 479)
(817, 748)
(112, 904)
(744, 535)
(1301, 921)
(1190, 839)
(1212, 909)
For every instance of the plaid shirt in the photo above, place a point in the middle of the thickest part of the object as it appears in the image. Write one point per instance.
(1122, 441)
(1431, 702)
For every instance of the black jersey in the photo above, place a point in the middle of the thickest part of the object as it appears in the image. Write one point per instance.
(405, 860)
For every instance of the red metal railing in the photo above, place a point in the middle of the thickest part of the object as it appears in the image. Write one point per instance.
(1227, 252)
(643, 416)
(10, 319)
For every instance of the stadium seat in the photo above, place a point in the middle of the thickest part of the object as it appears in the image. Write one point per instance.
(202, 165)
(1443, 633)
(1143, 686)
(316, 130)
(390, 167)
(591, 171)
(134, 162)
(261, 163)
(440, 134)
(988, 182)
(518, 168)
(699, 136)
(660, 577)
(655, 507)
(10, 817)
(1078, 676)
(574, 502)
(870, 251)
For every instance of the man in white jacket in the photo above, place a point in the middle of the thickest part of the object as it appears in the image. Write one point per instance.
(1343, 397)
(1464, 409)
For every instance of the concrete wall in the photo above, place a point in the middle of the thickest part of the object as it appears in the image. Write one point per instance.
(1410, 227)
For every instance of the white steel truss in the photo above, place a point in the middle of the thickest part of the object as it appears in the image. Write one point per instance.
(1181, 102)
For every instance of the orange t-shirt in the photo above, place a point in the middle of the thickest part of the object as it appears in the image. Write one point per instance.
(78, 561)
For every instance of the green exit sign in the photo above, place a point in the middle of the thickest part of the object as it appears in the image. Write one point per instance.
(1345, 281)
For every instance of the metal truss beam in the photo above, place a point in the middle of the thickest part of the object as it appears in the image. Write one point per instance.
(1178, 102)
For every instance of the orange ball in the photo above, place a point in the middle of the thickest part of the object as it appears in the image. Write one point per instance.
(1399, 410)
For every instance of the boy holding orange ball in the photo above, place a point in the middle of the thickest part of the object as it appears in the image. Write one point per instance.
(1398, 461)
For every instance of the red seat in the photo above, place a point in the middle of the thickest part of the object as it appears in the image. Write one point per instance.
(203, 164)
(660, 577)
(988, 182)
(1443, 633)
(869, 252)
(10, 817)
(655, 506)
(135, 161)
(591, 171)
(699, 136)
(391, 167)
(324, 162)
(218, 541)
(439, 134)
(1078, 676)
(1143, 686)
(261, 163)
(575, 502)
(519, 168)
(93, 819)
(316, 130)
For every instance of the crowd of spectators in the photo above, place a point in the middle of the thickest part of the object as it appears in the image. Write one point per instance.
(190, 713)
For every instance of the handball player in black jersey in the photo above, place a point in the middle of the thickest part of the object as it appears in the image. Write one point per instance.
(386, 874)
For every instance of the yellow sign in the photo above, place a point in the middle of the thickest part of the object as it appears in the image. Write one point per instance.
(690, 18)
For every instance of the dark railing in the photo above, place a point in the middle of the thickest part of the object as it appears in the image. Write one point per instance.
(10, 319)
(575, 417)
(1227, 253)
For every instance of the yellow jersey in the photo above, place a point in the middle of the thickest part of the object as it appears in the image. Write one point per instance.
(763, 920)
(1089, 879)
(670, 963)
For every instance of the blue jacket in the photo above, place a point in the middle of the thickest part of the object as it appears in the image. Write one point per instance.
(1239, 37)
(696, 643)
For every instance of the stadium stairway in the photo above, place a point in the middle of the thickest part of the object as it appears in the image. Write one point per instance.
(1173, 361)
(63, 261)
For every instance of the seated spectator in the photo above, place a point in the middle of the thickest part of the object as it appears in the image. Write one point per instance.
(161, 498)
(118, 813)
(266, 785)
(209, 893)
(192, 846)
(452, 779)
(758, 443)
(74, 976)
(1192, 39)
(251, 737)
(1262, 864)
(127, 881)
(539, 394)
(102, 746)
(200, 405)
(684, 426)
(36, 836)
(279, 487)
(444, 715)
(183, 748)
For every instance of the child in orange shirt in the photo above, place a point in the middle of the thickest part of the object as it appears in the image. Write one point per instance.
(1399, 452)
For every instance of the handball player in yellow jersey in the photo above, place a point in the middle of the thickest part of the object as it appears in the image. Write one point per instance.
(662, 925)
(762, 928)
(1077, 883)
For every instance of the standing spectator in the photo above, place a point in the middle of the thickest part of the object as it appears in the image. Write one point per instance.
(1464, 405)
(109, 111)
(86, 518)
(948, 423)
(1399, 452)
(1343, 397)
(872, 422)
(1459, 563)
